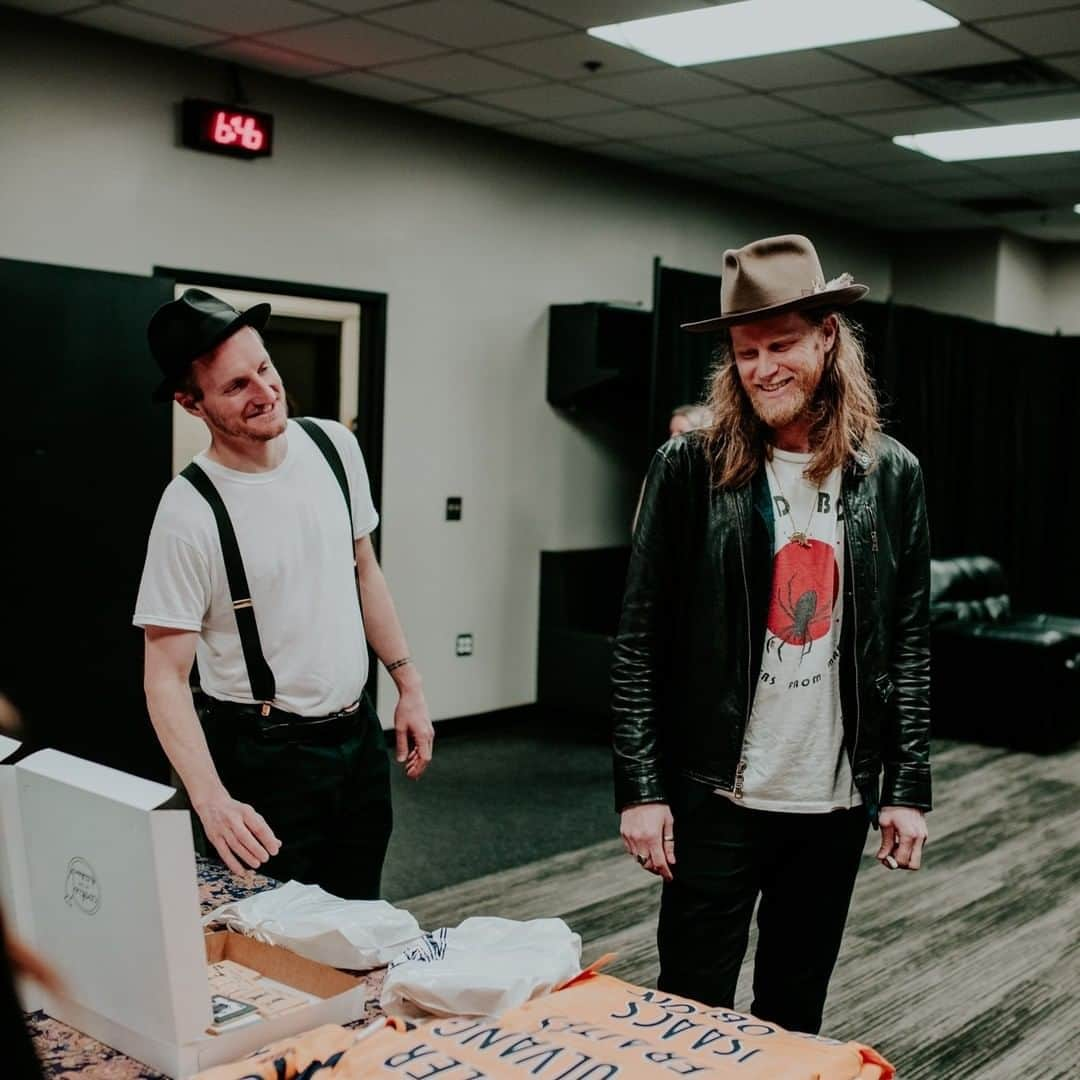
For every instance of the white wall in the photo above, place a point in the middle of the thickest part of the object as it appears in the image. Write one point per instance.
(954, 273)
(471, 235)
(1023, 285)
(1063, 283)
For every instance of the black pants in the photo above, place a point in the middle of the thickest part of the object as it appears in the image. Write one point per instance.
(803, 867)
(326, 799)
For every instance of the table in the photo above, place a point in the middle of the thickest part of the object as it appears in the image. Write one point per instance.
(67, 1054)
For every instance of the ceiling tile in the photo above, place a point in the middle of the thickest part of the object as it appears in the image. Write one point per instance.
(1034, 163)
(565, 57)
(467, 24)
(926, 52)
(915, 121)
(923, 168)
(47, 7)
(1043, 179)
(352, 7)
(738, 111)
(826, 180)
(601, 12)
(767, 162)
(1040, 35)
(973, 188)
(550, 101)
(878, 152)
(703, 144)
(367, 84)
(626, 151)
(660, 86)
(254, 54)
(633, 124)
(1032, 108)
(458, 73)
(237, 16)
(352, 43)
(856, 97)
(988, 9)
(471, 112)
(548, 132)
(805, 133)
(1069, 64)
(117, 20)
(802, 68)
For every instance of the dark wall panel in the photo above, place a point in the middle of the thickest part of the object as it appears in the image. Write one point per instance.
(85, 456)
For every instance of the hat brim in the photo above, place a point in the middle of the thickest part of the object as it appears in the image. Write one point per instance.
(256, 317)
(829, 298)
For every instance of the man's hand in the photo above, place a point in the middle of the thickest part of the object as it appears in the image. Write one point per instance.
(648, 834)
(903, 834)
(238, 832)
(414, 733)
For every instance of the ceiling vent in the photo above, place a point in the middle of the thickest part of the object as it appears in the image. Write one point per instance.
(981, 82)
(1007, 204)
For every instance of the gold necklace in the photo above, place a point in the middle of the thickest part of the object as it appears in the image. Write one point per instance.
(798, 536)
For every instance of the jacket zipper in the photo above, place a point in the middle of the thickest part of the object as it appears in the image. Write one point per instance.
(740, 769)
(855, 637)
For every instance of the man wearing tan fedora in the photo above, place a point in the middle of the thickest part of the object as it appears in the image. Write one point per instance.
(771, 673)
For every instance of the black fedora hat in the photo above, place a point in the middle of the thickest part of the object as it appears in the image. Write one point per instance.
(182, 330)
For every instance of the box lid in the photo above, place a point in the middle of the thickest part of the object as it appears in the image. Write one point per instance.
(113, 885)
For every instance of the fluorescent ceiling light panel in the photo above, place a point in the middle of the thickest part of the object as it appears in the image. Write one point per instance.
(1005, 140)
(762, 27)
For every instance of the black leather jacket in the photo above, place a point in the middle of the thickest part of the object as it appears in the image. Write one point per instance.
(688, 650)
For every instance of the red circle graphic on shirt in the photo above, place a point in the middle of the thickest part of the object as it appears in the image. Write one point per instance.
(805, 583)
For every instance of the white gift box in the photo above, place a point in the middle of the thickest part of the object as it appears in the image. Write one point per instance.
(14, 886)
(111, 877)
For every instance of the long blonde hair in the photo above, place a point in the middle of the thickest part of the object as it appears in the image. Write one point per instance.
(844, 411)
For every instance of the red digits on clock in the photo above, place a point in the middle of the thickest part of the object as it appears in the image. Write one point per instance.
(230, 129)
(250, 135)
(223, 130)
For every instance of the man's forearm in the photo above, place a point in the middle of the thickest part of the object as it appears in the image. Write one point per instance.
(172, 713)
(383, 628)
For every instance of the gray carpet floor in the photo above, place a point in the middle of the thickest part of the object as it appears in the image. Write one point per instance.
(967, 970)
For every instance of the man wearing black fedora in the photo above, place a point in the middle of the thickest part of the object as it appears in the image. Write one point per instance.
(260, 567)
(771, 671)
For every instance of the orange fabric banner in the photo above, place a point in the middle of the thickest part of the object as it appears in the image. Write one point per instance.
(597, 1028)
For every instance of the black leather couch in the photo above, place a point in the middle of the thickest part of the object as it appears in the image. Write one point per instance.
(999, 677)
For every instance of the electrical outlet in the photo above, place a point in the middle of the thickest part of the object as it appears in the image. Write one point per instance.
(463, 645)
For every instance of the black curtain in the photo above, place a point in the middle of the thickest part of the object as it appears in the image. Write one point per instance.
(990, 411)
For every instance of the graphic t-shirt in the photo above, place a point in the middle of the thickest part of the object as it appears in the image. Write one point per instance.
(793, 752)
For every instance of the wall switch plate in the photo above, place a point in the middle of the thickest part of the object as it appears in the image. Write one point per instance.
(464, 645)
(453, 508)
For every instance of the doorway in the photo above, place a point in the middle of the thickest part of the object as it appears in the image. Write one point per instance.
(315, 345)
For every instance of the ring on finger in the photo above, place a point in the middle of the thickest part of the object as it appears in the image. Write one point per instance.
(642, 859)
(669, 839)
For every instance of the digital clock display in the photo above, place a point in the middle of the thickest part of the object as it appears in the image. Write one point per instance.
(227, 129)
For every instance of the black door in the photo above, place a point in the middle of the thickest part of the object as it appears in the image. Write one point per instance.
(84, 457)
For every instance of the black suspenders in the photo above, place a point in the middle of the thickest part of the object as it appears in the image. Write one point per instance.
(263, 687)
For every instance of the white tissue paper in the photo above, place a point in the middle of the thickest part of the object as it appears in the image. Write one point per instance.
(357, 935)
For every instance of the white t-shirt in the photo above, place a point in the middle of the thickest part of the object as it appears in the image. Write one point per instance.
(293, 533)
(794, 746)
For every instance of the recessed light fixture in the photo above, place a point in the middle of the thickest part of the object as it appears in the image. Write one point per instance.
(762, 27)
(1004, 140)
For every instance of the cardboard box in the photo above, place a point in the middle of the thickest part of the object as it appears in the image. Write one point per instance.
(14, 885)
(116, 905)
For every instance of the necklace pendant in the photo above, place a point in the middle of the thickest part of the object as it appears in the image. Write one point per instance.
(800, 539)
